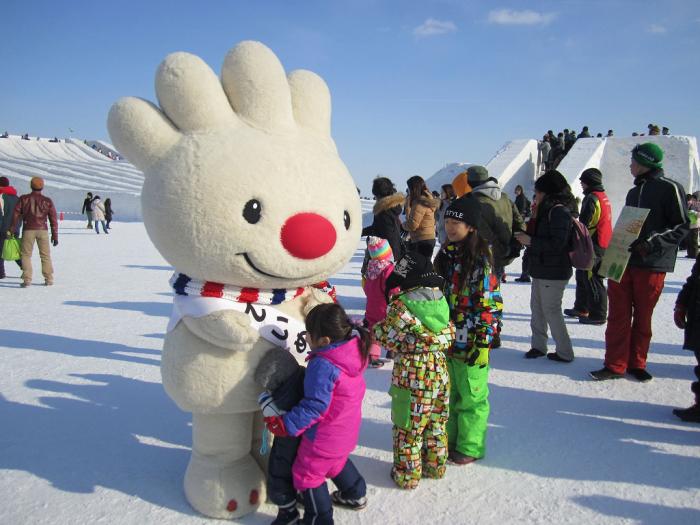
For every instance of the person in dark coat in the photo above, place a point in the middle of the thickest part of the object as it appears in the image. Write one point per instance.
(386, 223)
(686, 315)
(521, 202)
(108, 212)
(591, 304)
(8, 201)
(653, 254)
(283, 380)
(549, 265)
(87, 208)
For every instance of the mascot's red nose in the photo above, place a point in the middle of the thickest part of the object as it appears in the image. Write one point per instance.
(308, 236)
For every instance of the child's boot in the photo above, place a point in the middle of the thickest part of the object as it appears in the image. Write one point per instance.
(287, 515)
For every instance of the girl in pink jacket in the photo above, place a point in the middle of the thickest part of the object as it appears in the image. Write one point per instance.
(329, 415)
(379, 269)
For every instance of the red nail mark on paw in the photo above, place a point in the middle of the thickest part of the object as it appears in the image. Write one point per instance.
(232, 506)
(254, 497)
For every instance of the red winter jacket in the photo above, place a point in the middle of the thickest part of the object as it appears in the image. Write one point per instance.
(34, 209)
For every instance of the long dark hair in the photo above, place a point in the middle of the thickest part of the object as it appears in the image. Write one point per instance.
(330, 320)
(471, 249)
(416, 188)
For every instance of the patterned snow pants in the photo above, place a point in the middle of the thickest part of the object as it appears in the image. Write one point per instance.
(421, 451)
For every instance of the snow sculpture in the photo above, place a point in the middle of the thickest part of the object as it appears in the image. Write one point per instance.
(246, 196)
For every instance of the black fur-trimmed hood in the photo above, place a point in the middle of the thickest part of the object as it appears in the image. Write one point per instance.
(388, 202)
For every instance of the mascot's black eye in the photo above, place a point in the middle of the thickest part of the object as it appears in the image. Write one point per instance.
(252, 210)
(346, 220)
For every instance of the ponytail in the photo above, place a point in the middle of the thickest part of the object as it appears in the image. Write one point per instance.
(330, 320)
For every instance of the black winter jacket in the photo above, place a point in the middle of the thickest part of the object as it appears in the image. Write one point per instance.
(689, 298)
(549, 249)
(667, 223)
(386, 223)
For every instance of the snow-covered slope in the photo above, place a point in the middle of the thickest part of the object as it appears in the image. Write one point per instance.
(87, 434)
(70, 170)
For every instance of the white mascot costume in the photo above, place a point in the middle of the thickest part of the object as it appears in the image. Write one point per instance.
(246, 196)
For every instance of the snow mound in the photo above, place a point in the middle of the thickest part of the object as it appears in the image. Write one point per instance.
(71, 169)
(612, 157)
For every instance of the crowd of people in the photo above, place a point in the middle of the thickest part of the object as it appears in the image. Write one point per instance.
(438, 314)
(97, 212)
(553, 148)
(439, 318)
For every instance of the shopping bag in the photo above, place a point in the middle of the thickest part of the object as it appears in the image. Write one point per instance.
(10, 249)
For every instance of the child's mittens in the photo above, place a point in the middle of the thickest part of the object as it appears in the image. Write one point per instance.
(478, 356)
(275, 424)
(268, 406)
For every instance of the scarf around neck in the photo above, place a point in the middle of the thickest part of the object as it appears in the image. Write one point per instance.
(184, 285)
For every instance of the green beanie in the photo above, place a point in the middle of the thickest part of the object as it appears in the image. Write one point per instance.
(648, 154)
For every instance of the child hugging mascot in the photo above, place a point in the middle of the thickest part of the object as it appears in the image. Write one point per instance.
(246, 196)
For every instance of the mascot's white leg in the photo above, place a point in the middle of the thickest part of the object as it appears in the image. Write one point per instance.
(223, 480)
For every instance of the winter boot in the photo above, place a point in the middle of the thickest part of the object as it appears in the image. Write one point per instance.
(354, 504)
(640, 374)
(534, 353)
(690, 414)
(457, 458)
(287, 515)
(496, 341)
(553, 356)
(573, 312)
(604, 374)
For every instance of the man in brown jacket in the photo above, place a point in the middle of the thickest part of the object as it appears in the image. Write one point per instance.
(34, 209)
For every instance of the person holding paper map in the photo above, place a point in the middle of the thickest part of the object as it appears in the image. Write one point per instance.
(653, 253)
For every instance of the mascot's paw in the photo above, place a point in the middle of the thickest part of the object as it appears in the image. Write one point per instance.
(227, 329)
(226, 490)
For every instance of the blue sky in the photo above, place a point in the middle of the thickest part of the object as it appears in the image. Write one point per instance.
(415, 84)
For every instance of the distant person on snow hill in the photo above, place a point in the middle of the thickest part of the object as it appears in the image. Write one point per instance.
(633, 299)
(610, 133)
(585, 134)
(108, 212)
(8, 201)
(98, 211)
(87, 209)
(35, 209)
(5, 135)
(665, 131)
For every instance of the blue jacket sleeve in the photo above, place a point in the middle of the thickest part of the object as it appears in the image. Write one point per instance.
(319, 382)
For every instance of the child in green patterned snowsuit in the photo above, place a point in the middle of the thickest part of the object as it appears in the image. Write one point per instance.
(474, 296)
(418, 329)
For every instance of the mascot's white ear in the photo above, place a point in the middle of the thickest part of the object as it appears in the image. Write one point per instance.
(311, 102)
(257, 87)
(140, 131)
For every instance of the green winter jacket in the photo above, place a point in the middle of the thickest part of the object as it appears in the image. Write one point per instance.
(418, 328)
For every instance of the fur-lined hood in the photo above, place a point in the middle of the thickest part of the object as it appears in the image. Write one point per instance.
(427, 200)
(388, 202)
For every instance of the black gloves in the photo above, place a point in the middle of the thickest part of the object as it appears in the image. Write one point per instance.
(641, 247)
(54, 241)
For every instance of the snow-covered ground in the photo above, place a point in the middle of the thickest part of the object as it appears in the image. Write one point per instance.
(87, 434)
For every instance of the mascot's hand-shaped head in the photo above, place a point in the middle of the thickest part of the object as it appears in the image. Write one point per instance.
(244, 184)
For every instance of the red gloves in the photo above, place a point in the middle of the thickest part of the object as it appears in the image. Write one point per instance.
(679, 314)
(275, 424)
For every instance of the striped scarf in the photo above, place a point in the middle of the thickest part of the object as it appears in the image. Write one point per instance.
(184, 285)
